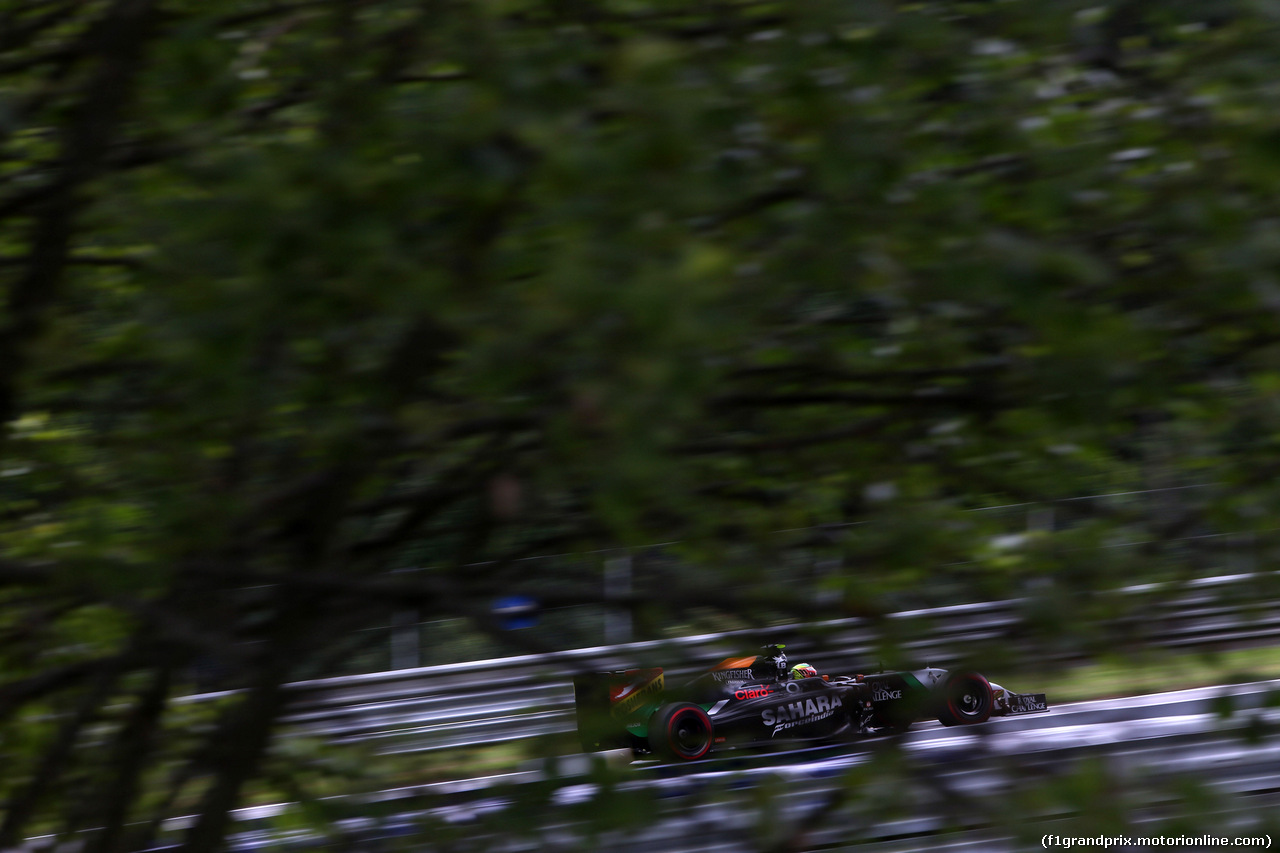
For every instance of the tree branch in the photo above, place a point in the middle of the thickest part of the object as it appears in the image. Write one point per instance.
(119, 43)
(15, 694)
(21, 808)
(134, 745)
(924, 397)
(783, 443)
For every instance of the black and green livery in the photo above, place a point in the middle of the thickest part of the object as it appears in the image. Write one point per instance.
(752, 700)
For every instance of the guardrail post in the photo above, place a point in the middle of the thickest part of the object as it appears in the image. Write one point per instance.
(1040, 520)
(406, 648)
(617, 585)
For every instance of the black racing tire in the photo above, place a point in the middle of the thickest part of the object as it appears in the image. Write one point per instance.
(680, 731)
(966, 699)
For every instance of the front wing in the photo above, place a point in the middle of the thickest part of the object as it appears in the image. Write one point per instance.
(1008, 703)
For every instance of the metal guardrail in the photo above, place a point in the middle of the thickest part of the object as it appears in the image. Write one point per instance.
(492, 701)
(1138, 740)
(1158, 737)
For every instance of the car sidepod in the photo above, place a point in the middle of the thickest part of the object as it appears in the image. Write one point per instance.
(898, 699)
(808, 709)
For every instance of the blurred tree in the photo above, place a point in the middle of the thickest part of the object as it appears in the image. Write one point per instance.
(297, 294)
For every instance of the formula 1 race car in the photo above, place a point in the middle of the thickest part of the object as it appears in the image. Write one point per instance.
(756, 700)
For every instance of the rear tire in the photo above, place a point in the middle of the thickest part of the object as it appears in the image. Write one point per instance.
(680, 732)
(966, 700)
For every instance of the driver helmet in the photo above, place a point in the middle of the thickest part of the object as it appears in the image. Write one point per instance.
(803, 670)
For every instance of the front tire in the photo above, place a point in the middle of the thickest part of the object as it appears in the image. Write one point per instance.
(680, 732)
(966, 700)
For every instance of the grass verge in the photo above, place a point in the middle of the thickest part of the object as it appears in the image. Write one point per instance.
(1153, 673)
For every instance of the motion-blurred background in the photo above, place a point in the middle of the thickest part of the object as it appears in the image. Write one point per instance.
(345, 337)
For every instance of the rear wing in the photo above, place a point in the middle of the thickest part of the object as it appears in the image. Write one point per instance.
(605, 702)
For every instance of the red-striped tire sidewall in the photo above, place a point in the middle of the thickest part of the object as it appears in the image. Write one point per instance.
(671, 731)
(955, 712)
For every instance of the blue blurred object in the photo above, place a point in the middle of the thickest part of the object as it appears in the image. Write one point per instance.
(516, 611)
